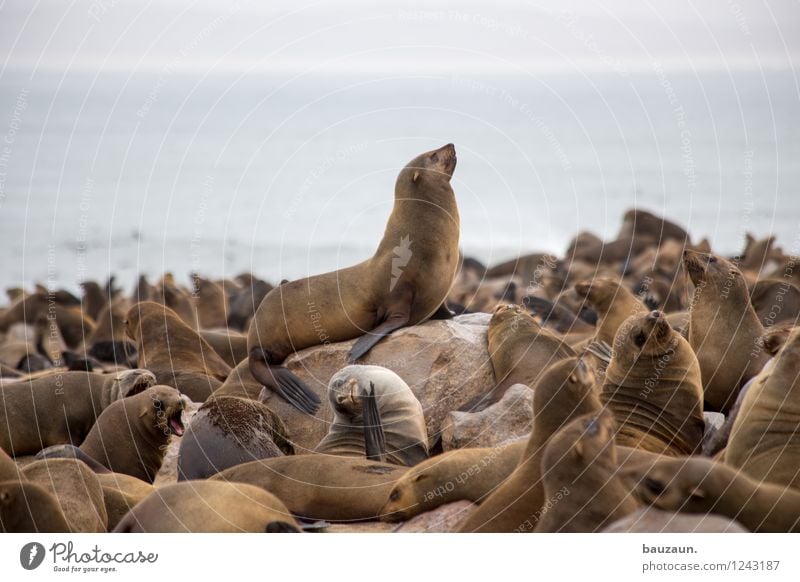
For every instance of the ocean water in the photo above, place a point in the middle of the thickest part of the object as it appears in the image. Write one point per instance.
(290, 175)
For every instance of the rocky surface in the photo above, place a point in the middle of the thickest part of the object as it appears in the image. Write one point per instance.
(443, 519)
(652, 520)
(509, 419)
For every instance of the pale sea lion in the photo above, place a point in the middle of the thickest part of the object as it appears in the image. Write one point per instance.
(403, 284)
(321, 486)
(764, 440)
(396, 417)
(208, 507)
(132, 434)
(520, 351)
(471, 474)
(613, 304)
(653, 388)
(77, 490)
(27, 507)
(699, 485)
(724, 330)
(564, 392)
(582, 490)
(61, 408)
(175, 352)
(228, 431)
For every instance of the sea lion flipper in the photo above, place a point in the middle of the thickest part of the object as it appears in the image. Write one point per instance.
(283, 382)
(398, 313)
(374, 439)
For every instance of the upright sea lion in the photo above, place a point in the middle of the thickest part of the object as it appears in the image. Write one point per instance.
(62, 408)
(396, 417)
(724, 330)
(211, 303)
(520, 351)
(653, 388)
(94, 299)
(613, 304)
(403, 284)
(208, 507)
(699, 485)
(321, 486)
(471, 474)
(76, 489)
(27, 507)
(228, 431)
(132, 434)
(564, 392)
(582, 490)
(174, 352)
(764, 440)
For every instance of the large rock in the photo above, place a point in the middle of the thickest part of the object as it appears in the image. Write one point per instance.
(444, 519)
(445, 363)
(652, 520)
(507, 420)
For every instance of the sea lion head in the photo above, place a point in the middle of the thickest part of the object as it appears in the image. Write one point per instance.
(344, 393)
(410, 494)
(166, 405)
(586, 440)
(569, 381)
(708, 269)
(677, 484)
(430, 167)
(132, 382)
(645, 334)
(599, 292)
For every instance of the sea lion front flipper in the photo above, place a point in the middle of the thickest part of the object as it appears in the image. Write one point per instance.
(283, 382)
(443, 312)
(398, 312)
(374, 439)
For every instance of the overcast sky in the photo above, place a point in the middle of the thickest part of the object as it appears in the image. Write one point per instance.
(398, 35)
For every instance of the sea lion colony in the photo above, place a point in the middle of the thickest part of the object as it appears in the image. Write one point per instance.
(665, 378)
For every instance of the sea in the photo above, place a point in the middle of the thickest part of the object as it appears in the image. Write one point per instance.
(289, 174)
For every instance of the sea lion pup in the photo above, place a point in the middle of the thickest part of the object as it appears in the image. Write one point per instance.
(613, 304)
(520, 351)
(120, 494)
(404, 283)
(470, 474)
(582, 489)
(700, 485)
(60, 409)
(724, 330)
(29, 508)
(764, 441)
(76, 489)
(321, 486)
(396, 417)
(652, 386)
(209, 507)
(175, 352)
(564, 392)
(132, 434)
(231, 346)
(109, 341)
(211, 303)
(228, 431)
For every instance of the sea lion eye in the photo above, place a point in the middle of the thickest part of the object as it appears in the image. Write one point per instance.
(640, 338)
(712, 259)
(434, 157)
(653, 485)
(394, 495)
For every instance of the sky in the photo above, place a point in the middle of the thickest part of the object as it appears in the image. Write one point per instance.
(403, 36)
